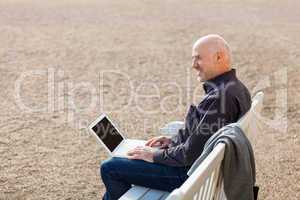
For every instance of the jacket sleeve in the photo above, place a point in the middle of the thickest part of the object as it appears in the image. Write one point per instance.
(212, 117)
(179, 138)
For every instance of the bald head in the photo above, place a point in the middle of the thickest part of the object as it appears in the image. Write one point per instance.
(211, 56)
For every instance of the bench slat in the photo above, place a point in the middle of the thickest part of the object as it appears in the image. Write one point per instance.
(135, 193)
(165, 196)
(154, 195)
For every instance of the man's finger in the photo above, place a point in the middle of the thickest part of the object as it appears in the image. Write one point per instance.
(131, 157)
(134, 157)
(154, 142)
(149, 141)
(131, 152)
(134, 151)
(157, 144)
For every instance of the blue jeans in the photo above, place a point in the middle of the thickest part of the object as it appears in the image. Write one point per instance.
(119, 173)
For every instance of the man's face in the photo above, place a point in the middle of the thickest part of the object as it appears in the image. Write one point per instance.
(202, 63)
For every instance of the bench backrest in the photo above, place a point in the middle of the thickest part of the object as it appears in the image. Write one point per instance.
(250, 117)
(206, 182)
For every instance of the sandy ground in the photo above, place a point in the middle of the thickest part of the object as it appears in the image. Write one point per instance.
(64, 62)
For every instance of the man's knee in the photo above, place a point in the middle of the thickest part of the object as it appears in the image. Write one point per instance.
(105, 167)
(108, 166)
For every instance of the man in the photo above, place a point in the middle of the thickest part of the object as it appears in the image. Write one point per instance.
(226, 100)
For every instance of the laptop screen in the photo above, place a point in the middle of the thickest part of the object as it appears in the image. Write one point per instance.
(108, 134)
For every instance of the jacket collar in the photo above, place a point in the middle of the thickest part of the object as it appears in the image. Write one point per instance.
(215, 82)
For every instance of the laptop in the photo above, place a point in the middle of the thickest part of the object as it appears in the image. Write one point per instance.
(108, 135)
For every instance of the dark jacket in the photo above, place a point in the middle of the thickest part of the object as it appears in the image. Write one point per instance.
(226, 100)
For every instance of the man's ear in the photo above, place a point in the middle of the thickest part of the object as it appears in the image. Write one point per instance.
(218, 57)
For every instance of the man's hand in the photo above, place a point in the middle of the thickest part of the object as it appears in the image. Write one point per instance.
(141, 153)
(159, 141)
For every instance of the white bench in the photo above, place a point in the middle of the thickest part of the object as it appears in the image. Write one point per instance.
(206, 183)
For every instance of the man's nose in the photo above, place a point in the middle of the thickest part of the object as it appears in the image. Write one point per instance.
(194, 64)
